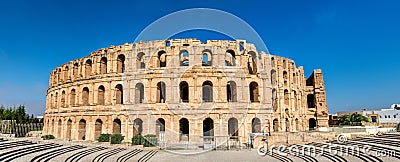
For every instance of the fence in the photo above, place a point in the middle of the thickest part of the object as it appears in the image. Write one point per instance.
(19, 130)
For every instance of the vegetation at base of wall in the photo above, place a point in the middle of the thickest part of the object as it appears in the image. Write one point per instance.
(398, 127)
(48, 136)
(117, 138)
(16, 113)
(147, 140)
(104, 138)
(352, 120)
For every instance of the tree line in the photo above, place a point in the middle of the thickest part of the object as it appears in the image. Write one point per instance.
(16, 113)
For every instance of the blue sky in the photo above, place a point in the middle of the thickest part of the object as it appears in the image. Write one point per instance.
(356, 43)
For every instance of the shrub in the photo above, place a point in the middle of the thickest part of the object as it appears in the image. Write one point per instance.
(104, 138)
(49, 136)
(148, 140)
(137, 139)
(117, 138)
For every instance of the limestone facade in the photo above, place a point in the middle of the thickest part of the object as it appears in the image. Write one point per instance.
(182, 90)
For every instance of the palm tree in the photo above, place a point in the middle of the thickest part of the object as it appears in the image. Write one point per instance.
(353, 119)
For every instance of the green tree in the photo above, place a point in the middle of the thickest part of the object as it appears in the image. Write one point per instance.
(353, 119)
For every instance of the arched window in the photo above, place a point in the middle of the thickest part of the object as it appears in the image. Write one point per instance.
(119, 95)
(184, 58)
(140, 61)
(255, 125)
(59, 76)
(310, 101)
(230, 58)
(121, 63)
(312, 124)
(69, 129)
(284, 64)
(160, 124)
(63, 99)
(162, 57)
(273, 77)
(66, 73)
(252, 63)
(139, 93)
(82, 129)
(117, 126)
(294, 78)
(254, 92)
(285, 77)
(56, 100)
(273, 62)
(183, 129)
(287, 123)
(137, 126)
(100, 98)
(98, 126)
(207, 91)
(274, 99)
(276, 125)
(88, 68)
(103, 65)
(208, 127)
(206, 58)
(297, 124)
(231, 91)
(160, 92)
(85, 96)
(75, 71)
(233, 131)
(184, 91)
(286, 97)
(72, 97)
(295, 100)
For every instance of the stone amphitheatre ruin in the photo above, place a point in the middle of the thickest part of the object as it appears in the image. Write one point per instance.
(182, 90)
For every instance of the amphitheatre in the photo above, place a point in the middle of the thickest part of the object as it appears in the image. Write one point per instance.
(182, 90)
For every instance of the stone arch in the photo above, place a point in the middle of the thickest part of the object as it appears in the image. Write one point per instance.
(140, 64)
(69, 129)
(310, 101)
(101, 95)
(119, 95)
(286, 97)
(255, 125)
(63, 99)
(254, 92)
(137, 126)
(117, 126)
(162, 58)
(184, 58)
(274, 99)
(272, 62)
(56, 100)
(103, 65)
(66, 70)
(72, 97)
(121, 63)
(295, 100)
(85, 96)
(284, 63)
(88, 68)
(297, 124)
(230, 58)
(252, 62)
(183, 129)
(275, 124)
(206, 58)
(161, 93)
(98, 127)
(233, 127)
(208, 127)
(207, 89)
(139, 93)
(51, 101)
(287, 124)
(273, 77)
(160, 125)
(231, 91)
(82, 129)
(312, 123)
(75, 70)
(59, 126)
(184, 91)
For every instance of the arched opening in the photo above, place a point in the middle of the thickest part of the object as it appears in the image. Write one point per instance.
(274, 99)
(98, 126)
(184, 58)
(233, 131)
(119, 95)
(272, 62)
(160, 92)
(287, 125)
(312, 124)
(297, 124)
(254, 92)
(294, 78)
(56, 100)
(295, 100)
(139, 93)
(184, 91)
(137, 126)
(63, 99)
(208, 127)
(75, 70)
(66, 73)
(162, 57)
(117, 126)
(276, 125)
(160, 125)
(85, 96)
(82, 129)
(88, 68)
(230, 58)
(252, 63)
(231, 91)
(59, 76)
(59, 126)
(255, 125)
(103, 65)
(284, 64)
(207, 89)
(69, 128)
(183, 129)
(121, 63)
(100, 97)
(140, 61)
(286, 97)
(72, 97)
(310, 101)
(206, 58)
(273, 77)
(51, 101)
